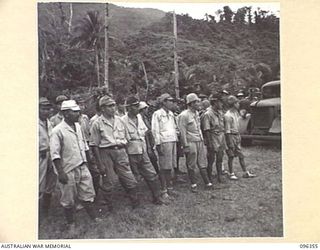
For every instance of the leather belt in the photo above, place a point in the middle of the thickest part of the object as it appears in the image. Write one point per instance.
(115, 147)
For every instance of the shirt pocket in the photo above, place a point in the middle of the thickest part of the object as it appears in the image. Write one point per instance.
(120, 132)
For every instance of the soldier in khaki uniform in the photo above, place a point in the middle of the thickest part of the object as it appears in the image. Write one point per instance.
(70, 155)
(164, 130)
(58, 117)
(137, 148)
(108, 138)
(212, 123)
(192, 141)
(47, 177)
(233, 138)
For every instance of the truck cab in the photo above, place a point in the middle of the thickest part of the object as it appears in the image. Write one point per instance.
(263, 121)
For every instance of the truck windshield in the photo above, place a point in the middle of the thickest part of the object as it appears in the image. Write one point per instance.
(272, 91)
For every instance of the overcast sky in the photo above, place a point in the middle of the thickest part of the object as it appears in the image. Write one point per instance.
(198, 10)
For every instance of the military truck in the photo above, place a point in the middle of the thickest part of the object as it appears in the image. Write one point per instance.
(263, 120)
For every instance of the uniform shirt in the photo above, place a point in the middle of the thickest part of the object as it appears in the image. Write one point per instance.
(163, 127)
(136, 135)
(45, 130)
(231, 119)
(189, 126)
(213, 120)
(92, 119)
(103, 134)
(56, 119)
(68, 145)
(84, 123)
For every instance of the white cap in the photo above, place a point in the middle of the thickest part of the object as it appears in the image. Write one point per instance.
(143, 105)
(70, 105)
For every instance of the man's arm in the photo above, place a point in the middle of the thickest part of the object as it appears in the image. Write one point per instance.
(205, 124)
(55, 148)
(227, 127)
(183, 132)
(96, 153)
(94, 143)
(155, 128)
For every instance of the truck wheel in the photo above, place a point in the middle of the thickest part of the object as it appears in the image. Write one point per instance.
(246, 142)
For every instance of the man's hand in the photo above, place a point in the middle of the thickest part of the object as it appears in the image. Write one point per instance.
(158, 147)
(63, 178)
(186, 149)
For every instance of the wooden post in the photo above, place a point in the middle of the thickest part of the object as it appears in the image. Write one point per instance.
(106, 48)
(176, 69)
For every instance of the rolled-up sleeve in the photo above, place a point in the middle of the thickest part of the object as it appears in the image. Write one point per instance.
(205, 122)
(55, 145)
(95, 136)
(155, 129)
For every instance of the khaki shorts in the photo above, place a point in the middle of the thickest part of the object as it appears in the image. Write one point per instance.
(236, 150)
(168, 159)
(79, 187)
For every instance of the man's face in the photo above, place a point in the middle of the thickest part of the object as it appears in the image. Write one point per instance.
(168, 104)
(237, 105)
(44, 112)
(144, 111)
(196, 105)
(134, 109)
(109, 110)
(72, 116)
(219, 105)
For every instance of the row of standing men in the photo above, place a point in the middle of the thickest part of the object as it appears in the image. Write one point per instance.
(132, 146)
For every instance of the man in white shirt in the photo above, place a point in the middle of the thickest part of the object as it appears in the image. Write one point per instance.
(164, 130)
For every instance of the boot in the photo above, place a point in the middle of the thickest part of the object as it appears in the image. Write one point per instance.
(107, 200)
(90, 209)
(71, 227)
(155, 190)
(204, 176)
(69, 215)
(133, 196)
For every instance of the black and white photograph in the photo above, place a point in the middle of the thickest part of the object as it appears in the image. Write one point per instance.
(159, 120)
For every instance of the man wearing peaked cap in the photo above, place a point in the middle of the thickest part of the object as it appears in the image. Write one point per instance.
(192, 141)
(212, 124)
(47, 177)
(143, 110)
(164, 130)
(70, 155)
(165, 97)
(233, 138)
(58, 117)
(108, 138)
(137, 148)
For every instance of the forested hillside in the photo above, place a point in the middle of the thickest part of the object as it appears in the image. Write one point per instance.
(237, 51)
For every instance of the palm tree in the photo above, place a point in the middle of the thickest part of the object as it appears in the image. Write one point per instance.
(89, 33)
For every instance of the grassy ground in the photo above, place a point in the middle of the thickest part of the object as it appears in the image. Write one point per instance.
(243, 208)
